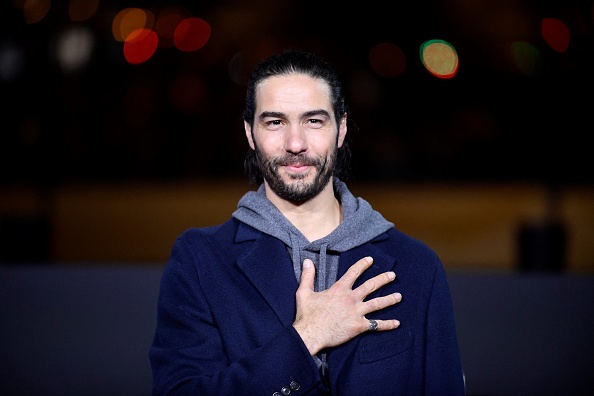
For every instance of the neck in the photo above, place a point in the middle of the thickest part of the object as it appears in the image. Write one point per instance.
(315, 218)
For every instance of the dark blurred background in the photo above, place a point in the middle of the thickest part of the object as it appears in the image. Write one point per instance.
(88, 114)
(506, 115)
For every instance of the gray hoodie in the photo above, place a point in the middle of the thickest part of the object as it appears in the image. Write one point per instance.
(360, 224)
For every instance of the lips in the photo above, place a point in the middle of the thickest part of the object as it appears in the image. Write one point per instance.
(296, 163)
(301, 163)
(297, 167)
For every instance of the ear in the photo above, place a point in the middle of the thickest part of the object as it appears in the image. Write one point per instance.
(342, 130)
(248, 134)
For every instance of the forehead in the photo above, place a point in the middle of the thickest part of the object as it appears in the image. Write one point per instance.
(293, 89)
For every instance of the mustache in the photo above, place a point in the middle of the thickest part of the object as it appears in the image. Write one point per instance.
(292, 159)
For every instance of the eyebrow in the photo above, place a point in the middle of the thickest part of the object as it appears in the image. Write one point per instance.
(277, 114)
(316, 113)
(273, 114)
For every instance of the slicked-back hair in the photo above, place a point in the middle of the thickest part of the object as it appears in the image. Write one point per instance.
(300, 62)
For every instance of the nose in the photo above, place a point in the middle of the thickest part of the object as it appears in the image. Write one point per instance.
(295, 140)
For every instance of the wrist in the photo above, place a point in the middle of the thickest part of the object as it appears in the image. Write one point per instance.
(311, 342)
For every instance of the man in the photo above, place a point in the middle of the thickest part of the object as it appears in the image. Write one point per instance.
(306, 290)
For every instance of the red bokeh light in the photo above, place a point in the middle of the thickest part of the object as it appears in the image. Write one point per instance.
(555, 34)
(191, 34)
(140, 45)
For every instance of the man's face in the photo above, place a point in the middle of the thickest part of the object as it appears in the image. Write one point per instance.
(295, 135)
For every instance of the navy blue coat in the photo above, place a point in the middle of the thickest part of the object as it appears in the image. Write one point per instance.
(227, 304)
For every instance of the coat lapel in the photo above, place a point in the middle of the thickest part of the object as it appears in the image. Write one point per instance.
(268, 266)
(382, 262)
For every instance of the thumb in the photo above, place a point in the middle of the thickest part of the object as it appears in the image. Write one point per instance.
(308, 274)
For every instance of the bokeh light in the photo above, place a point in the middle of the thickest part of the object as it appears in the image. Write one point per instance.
(439, 58)
(527, 58)
(73, 48)
(237, 69)
(12, 59)
(191, 34)
(166, 22)
(140, 45)
(81, 10)
(555, 33)
(129, 20)
(387, 60)
(35, 10)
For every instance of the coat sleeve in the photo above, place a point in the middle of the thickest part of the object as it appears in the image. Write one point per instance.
(188, 356)
(443, 368)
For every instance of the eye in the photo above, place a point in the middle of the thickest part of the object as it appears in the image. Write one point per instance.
(315, 122)
(273, 125)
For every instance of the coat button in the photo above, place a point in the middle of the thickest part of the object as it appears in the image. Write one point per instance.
(276, 394)
(294, 385)
(285, 390)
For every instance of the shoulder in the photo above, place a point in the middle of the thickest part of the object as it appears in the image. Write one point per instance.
(412, 256)
(219, 230)
(406, 245)
(201, 250)
(222, 236)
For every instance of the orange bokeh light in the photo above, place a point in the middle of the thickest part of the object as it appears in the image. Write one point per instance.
(439, 58)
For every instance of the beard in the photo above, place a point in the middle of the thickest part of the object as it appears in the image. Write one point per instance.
(297, 189)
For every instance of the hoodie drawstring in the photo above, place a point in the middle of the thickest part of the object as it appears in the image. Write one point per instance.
(322, 270)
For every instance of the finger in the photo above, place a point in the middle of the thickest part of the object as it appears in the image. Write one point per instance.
(370, 285)
(308, 274)
(375, 304)
(355, 271)
(383, 325)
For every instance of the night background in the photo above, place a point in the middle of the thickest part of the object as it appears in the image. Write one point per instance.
(505, 115)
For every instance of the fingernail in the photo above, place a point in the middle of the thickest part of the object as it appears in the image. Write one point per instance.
(392, 275)
(306, 263)
(398, 296)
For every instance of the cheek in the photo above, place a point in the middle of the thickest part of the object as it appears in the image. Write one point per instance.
(270, 142)
(325, 146)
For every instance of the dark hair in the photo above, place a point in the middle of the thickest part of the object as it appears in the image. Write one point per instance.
(288, 62)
